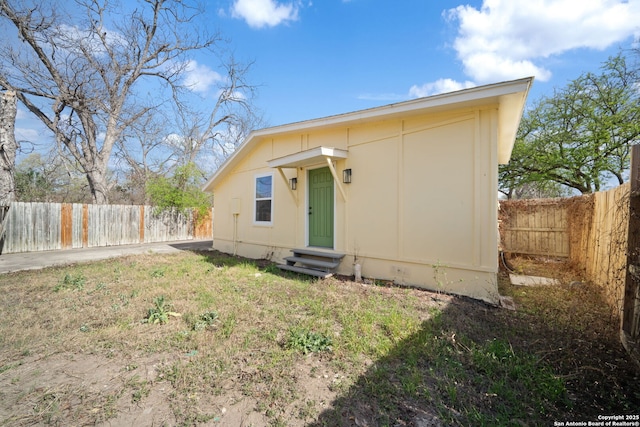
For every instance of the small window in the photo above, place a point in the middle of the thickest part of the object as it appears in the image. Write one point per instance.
(264, 199)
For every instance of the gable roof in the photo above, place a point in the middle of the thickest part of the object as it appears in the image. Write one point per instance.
(510, 96)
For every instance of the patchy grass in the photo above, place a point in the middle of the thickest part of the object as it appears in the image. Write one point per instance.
(199, 338)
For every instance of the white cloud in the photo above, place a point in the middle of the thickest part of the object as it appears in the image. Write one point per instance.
(200, 78)
(236, 96)
(71, 38)
(439, 86)
(261, 13)
(506, 39)
(24, 134)
(21, 114)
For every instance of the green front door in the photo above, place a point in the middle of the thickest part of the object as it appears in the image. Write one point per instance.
(321, 208)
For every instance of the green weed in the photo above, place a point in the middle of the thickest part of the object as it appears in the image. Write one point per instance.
(160, 312)
(205, 320)
(307, 341)
(158, 272)
(228, 325)
(141, 389)
(71, 282)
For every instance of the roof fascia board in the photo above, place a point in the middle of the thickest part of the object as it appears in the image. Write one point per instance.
(416, 105)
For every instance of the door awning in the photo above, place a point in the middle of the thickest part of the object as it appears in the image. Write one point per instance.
(308, 157)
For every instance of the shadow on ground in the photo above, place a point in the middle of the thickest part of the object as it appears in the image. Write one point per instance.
(194, 246)
(475, 364)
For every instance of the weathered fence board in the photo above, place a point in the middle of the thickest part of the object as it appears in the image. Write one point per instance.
(113, 225)
(161, 226)
(48, 226)
(631, 305)
(32, 227)
(534, 227)
(77, 230)
(605, 257)
(204, 226)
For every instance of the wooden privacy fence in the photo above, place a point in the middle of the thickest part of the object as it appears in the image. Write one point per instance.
(589, 230)
(599, 234)
(30, 227)
(535, 227)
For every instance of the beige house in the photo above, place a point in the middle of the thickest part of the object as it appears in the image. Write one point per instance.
(405, 192)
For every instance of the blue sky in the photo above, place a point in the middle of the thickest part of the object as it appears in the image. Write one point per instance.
(319, 58)
(333, 56)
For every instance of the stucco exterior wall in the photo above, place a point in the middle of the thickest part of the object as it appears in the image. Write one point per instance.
(421, 209)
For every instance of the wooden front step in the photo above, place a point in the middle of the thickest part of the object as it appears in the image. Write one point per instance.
(312, 262)
(320, 254)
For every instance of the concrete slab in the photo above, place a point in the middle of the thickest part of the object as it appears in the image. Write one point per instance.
(37, 260)
(520, 280)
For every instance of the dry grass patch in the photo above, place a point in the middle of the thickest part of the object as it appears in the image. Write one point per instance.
(204, 333)
(205, 338)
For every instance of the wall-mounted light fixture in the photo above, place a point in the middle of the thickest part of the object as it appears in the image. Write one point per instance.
(293, 183)
(346, 176)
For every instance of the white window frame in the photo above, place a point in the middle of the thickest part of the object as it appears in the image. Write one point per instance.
(257, 199)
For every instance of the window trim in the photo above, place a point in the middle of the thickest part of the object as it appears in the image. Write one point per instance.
(256, 199)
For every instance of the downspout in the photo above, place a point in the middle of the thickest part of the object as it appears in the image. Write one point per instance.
(235, 234)
(235, 210)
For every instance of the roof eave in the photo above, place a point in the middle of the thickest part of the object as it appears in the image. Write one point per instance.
(499, 91)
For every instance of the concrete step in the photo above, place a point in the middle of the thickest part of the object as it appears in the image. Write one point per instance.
(308, 271)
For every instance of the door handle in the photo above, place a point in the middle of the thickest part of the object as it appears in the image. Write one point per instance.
(310, 208)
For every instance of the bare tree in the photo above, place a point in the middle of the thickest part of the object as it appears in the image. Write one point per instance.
(83, 78)
(142, 155)
(211, 135)
(8, 147)
(202, 137)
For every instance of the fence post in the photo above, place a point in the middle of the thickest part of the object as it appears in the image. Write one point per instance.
(631, 306)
